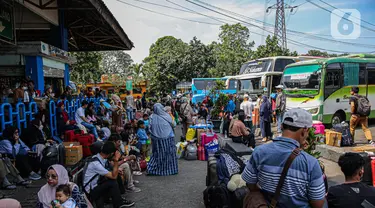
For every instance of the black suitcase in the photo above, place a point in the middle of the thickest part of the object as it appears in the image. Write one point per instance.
(367, 175)
(53, 154)
(211, 177)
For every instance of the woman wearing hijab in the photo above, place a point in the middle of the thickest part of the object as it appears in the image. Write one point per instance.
(265, 119)
(163, 159)
(58, 175)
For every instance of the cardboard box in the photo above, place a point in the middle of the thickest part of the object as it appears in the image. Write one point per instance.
(73, 152)
(367, 148)
(199, 135)
(333, 138)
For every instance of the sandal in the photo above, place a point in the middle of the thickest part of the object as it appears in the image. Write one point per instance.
(10, 187)
(24, 183)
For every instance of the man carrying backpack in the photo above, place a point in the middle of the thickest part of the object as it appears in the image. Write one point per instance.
(360, 108)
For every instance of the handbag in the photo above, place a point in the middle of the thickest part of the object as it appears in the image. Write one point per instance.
(255, 199)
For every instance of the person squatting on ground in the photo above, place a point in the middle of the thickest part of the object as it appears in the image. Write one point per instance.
(352, 193)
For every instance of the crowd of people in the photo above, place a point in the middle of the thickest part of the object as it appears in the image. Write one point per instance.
(140, 131)
(129, 135)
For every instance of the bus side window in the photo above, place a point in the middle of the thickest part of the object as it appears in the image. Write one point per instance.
(362, 74)
(333, 79)
(371, 73)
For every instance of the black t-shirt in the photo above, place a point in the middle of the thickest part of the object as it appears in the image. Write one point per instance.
(350, 195)
(355, 100)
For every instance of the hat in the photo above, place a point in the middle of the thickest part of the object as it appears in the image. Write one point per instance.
(298, 117)
(246, 96)
(279, 87)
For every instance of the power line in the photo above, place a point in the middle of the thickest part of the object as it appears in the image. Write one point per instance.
(196, 21)
(288, 30)
(317, 5)
(344, 12)
(247, 23)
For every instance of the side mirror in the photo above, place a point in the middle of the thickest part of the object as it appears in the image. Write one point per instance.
(263, 81)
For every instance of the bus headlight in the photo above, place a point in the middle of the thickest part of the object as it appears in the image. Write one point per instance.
(314, 110)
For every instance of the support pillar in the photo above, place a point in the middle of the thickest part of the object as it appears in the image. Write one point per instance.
(34, 69)
(66, 75)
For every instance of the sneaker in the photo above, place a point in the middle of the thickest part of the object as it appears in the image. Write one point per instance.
(33, 176)
(134, 189)
(137, 173)
(127, 203)
(135, 182)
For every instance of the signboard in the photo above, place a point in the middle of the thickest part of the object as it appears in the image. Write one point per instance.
(256, 67)
(6, 21)
(129, 85)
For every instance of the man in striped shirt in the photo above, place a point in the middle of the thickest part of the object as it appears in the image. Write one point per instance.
(304, 184)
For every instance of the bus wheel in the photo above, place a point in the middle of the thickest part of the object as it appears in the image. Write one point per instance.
(337, 118)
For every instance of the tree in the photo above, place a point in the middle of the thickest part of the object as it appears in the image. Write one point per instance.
(197, 61)
(272, 49)
(317, 53)
(233, 49)
(163, 65)
(116, 62)
(86, 68)
(137, 73)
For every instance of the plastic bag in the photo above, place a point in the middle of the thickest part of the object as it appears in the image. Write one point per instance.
(190, 134)
(212, 147)
(181, 146)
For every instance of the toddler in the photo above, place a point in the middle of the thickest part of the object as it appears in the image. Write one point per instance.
(142, 138)
(63, 198)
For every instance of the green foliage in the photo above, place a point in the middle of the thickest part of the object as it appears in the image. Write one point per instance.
(86, 68)
(324, 54)
(219, 85)
(116, 62)
(312, 141)
(219, 105)
(233, 49)
(272, 49)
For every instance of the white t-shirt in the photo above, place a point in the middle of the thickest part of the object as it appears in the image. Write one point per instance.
(79, 113)
(248, 108)
(95, 167)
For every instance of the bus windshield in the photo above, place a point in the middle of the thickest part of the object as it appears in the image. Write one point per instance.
(301, 81)
(200, 84)
(256, 66)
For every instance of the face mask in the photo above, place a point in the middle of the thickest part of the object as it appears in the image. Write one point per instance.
(24, 88)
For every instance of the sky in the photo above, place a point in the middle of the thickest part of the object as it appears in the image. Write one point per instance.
(144, 27)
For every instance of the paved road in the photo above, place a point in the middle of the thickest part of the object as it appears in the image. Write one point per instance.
(183, 190)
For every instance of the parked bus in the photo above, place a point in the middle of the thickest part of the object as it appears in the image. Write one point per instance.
(322, 86)
(201, 87)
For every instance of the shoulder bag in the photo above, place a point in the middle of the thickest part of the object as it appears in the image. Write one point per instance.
(256, 199)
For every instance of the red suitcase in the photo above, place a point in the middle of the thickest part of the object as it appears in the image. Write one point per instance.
(85, 140)
(70, 135)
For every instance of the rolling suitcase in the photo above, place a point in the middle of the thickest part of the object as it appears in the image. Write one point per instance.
(85, 140)
(211, 177)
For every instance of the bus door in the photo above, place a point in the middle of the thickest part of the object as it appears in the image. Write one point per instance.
(370, 82)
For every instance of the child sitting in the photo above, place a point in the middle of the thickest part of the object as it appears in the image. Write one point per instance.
(142, 138)
(63, 197)
(105, 130)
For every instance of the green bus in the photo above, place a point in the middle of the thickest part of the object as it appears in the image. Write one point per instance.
(322, 86)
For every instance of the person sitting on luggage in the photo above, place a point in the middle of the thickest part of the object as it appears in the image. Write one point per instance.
(62, 120)
(107, 185)
(81, 119)
(239, 133)
(203, 112)
(352, 193)
(16, 150)
(57, 175)
(142, 139)
(125, 162)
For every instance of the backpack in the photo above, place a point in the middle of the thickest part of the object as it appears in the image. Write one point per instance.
(363, 106)
(217, 196)
(53, 154)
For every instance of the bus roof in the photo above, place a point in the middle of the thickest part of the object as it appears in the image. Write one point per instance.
(273, 58)
(217, 78)
(359, 58)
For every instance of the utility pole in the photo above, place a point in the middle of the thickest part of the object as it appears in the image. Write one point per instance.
(280, 28)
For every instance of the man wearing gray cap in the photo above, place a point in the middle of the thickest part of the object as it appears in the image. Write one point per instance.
(304, 184)
(280, 106)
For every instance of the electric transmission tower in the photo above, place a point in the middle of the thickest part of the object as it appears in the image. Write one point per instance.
(280, 28)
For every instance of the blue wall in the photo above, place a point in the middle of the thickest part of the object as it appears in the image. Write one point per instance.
(34, 69)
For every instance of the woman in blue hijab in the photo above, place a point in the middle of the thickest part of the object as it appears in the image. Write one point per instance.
(163, 159)
(265, 119)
